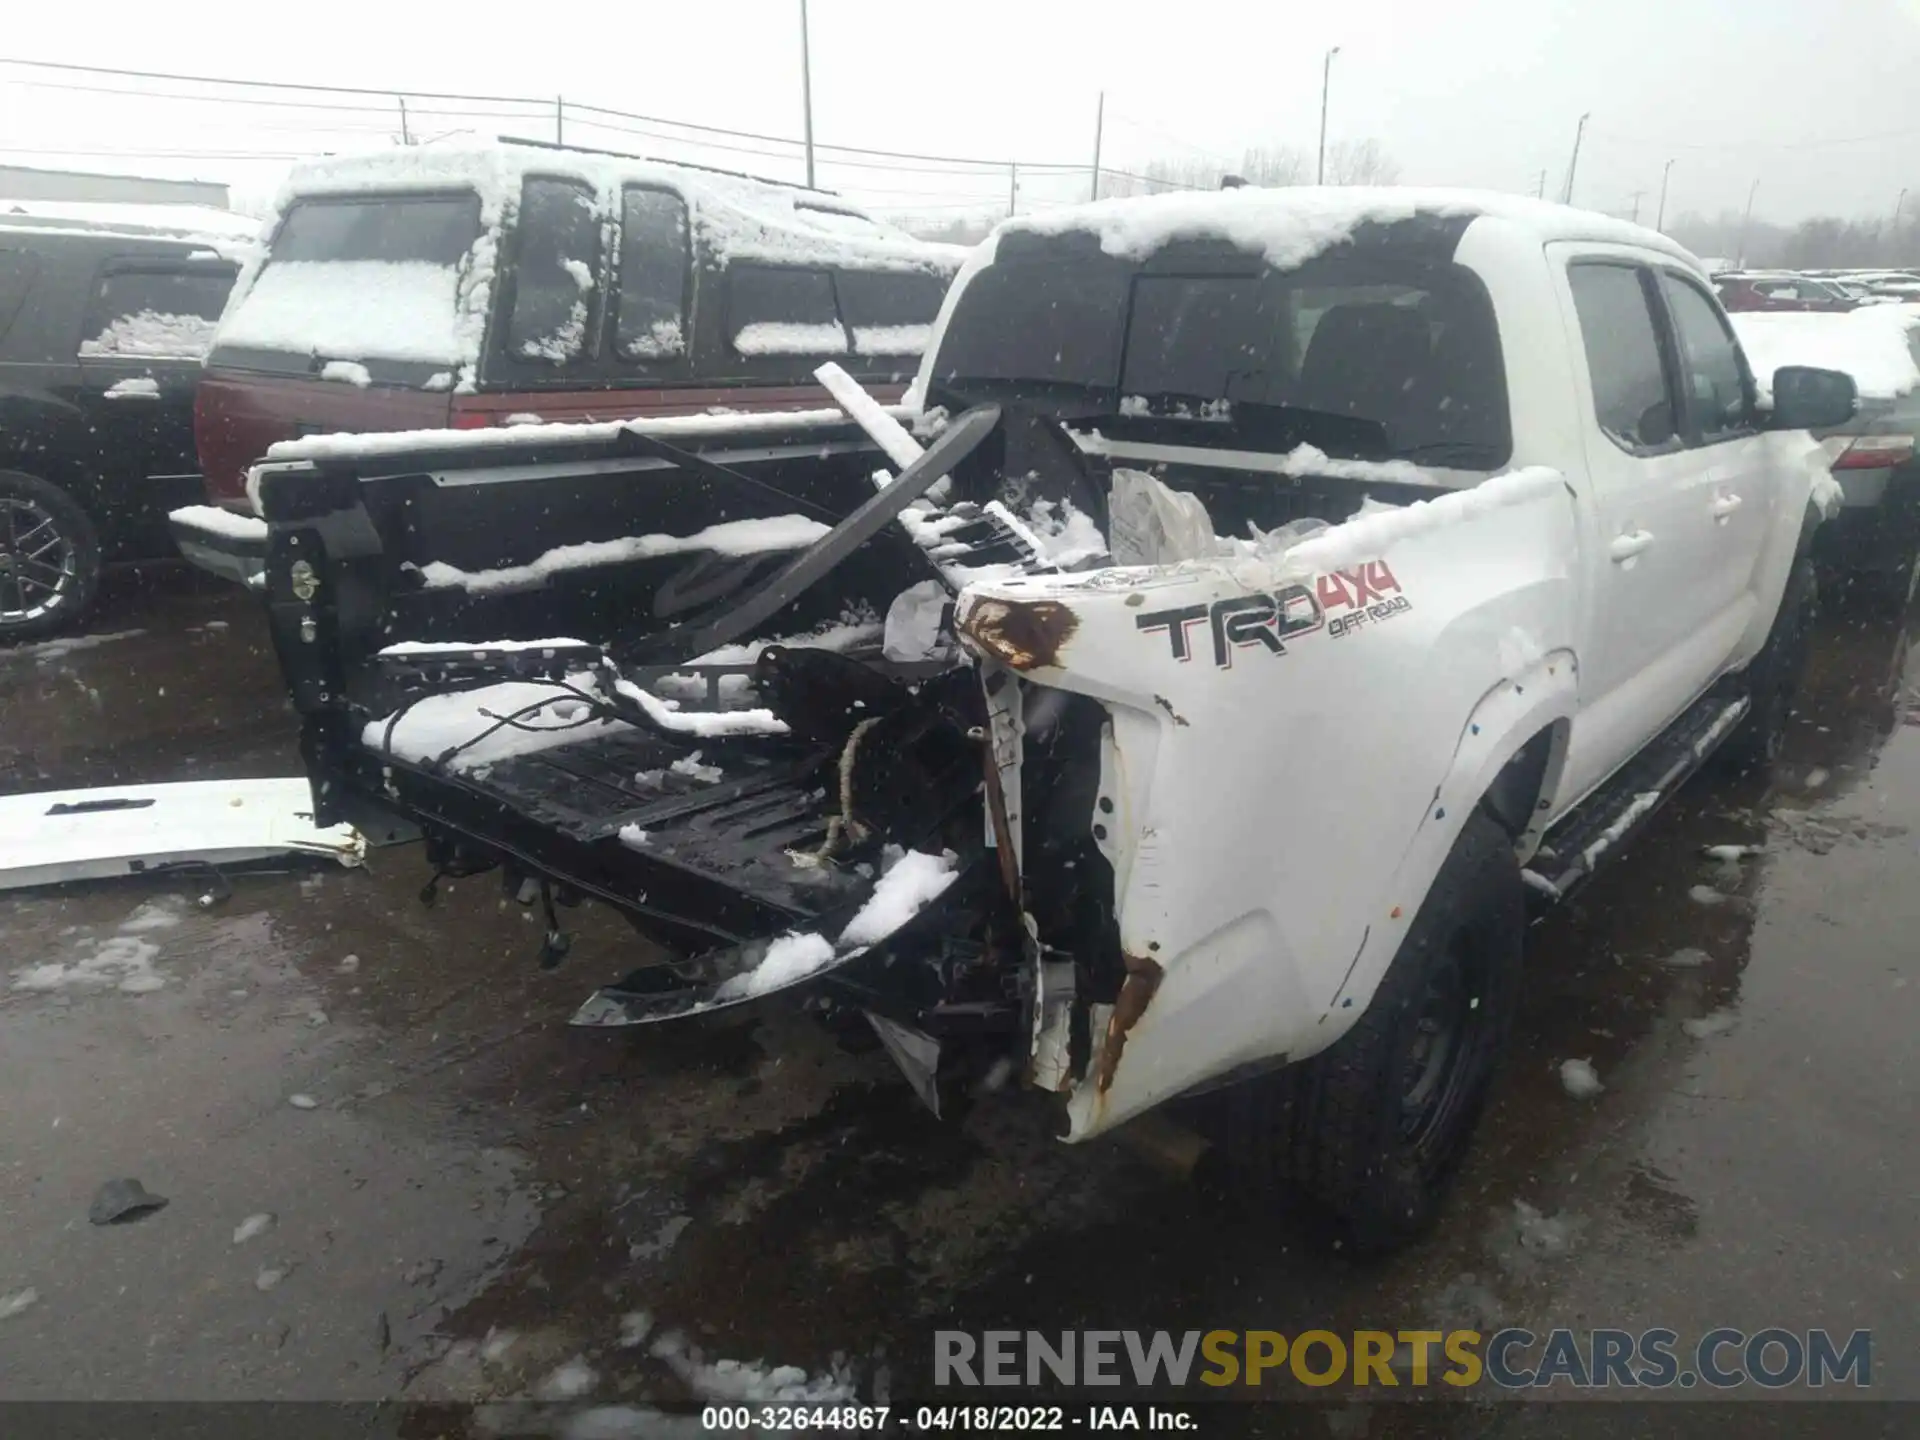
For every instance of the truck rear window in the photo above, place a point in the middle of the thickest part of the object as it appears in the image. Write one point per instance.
(1394, 353)
(367, 278)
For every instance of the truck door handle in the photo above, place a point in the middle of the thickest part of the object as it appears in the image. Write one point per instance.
(1625, 546)
(1724, 505)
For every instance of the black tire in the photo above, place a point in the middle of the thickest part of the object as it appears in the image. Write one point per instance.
(1371, 1130)
(1773, 679)
(49, 558)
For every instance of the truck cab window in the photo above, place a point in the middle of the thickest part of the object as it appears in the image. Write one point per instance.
(777, 311)
(156, 311)
(1717, 397)
(556, 280)
(890, 312)
(654, 264)
(1630, 397)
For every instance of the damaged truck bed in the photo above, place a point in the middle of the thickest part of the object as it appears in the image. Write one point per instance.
(1252, 611)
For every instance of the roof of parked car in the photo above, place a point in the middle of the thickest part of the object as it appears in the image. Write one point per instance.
(1290, 225)
(230, 233)
(741, 217)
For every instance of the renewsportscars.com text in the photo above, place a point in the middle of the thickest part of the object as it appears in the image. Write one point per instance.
(1512, 1359)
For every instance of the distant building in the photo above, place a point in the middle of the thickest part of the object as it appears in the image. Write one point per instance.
(24, 182)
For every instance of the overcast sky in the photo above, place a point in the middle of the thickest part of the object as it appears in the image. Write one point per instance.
(1819, 102)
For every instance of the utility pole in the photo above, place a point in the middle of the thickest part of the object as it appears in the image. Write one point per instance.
(1099, 124)
(1326, 80)
(559, 121)
(806, 89)
(1634, 219)
(1540, 190)
(1013, 186)
(1573, 163)
(1898, 206)
(406, 136)
(1741, 258)
(1660, 220)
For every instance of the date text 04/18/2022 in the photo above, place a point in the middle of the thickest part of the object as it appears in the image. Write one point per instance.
(936, 1419)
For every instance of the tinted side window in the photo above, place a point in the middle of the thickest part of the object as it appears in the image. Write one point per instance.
(1623, 355)
(17, 269)
(783, 312)
(556, 273)
(156, 311)
(1711, 380)
(890, 312)
(651, 324)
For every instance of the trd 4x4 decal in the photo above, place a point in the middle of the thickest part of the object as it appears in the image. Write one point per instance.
(1264, 620)
(1239, 620)
(1362, 593)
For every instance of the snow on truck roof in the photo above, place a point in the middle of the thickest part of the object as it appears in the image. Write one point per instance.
(222, 229)
(1292, 224)
(742, 218)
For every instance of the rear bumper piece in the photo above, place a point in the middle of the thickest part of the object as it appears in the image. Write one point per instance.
(221, 543)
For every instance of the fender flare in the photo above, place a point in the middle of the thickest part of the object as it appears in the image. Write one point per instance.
(1540, 699)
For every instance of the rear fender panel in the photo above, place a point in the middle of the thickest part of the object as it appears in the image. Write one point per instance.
(1289, 755)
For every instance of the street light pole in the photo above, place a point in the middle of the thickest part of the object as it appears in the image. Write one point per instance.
(1326, 79)
(1566, 195)
(1741, 258)
(1660, 220)
(1898, 206)
(1099, 129)
(806, 89)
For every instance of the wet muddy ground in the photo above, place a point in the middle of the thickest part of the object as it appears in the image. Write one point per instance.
(482, 1203)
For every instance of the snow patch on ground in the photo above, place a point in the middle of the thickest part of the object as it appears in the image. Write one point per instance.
(568, 1381)
(1542, 1234)
(914, 882)
(122, 962)
(1688, 958)
(1707, 1026)
(1579, 1079)
(134, 387)
(767, 535)
(748, 1380)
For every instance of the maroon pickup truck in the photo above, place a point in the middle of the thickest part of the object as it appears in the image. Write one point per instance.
(515, 283)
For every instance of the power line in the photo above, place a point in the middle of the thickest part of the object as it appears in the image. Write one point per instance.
(572, 105)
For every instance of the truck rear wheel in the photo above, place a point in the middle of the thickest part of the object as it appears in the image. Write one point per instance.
(1371, 1129)
(49, 557)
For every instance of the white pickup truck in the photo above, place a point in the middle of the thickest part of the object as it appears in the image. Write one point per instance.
(1294, 587)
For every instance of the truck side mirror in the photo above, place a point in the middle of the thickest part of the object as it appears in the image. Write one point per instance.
(1805, 398)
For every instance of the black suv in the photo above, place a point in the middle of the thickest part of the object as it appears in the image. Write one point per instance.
(106, 312)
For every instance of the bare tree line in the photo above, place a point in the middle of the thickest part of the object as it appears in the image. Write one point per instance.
(1349, 162)
(1822, 243)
